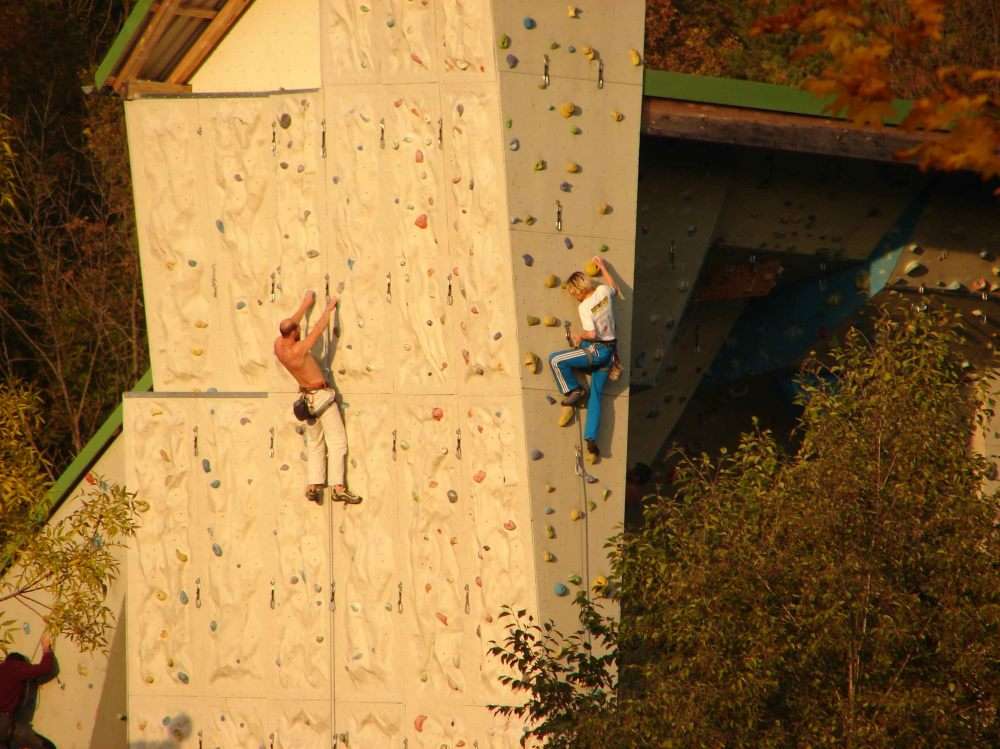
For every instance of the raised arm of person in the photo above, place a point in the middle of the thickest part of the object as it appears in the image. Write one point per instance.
(606, 276)
(324, 320)
(43, 668)
(307, 301)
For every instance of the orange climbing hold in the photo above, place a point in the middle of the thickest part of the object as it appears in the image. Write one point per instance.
(478, 476)
(442, 618)
(437, 414)
(421, 222)
(418, 722)
(510, 525)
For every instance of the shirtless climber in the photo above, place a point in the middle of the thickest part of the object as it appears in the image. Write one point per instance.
(594, 348)
(325, 427)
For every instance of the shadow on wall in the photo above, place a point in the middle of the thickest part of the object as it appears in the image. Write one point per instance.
(180, 729)
(110, 728)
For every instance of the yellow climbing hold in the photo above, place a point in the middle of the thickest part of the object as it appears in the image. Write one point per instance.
(600, 582)
(576, 515)
(567, 109)
(550, 557)
(635, 57)
(197, 351)
(201, 324)
(549, 489)
(617, 116)
(566, 416)
(591, 269)
(551, 281)
(181, 555)
(572, 11)
(550, 322)
(532, 363)
(591, 457)
(532, 320)
(550, 532)
(540, 165)
(589, 53)
(604, 209)
(572, 167)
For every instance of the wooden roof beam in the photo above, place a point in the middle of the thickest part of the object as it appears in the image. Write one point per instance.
(712, 123)
(154, 30)
(137, 88)
(225, 17)
(207, 13)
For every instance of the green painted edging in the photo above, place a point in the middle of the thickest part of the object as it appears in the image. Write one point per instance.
(122, 42)
(731, 92)
(69, 478)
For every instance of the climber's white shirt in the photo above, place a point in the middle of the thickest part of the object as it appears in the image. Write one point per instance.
(596, 313)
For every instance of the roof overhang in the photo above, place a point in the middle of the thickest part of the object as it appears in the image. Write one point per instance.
(164, 42)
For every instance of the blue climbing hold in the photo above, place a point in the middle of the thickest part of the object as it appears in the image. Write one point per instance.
(569, 243)
(528, 260)
(560, 590)
(529, 23)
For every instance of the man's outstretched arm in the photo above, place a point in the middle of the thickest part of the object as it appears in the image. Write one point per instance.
(307, 301)
(310, 340)
(606, 276)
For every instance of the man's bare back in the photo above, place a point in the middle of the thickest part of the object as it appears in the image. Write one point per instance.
(295, 352)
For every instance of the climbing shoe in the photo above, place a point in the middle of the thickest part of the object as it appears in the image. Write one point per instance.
(314, 493)
(345, 495)
(593, 449)
(575, 396)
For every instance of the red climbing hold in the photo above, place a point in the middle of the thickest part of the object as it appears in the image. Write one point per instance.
(442, 618)
(509, 525)
(418, 722)
(478, 476)
(438, 414)
(90, 478)
(420, 156)
(421, 221)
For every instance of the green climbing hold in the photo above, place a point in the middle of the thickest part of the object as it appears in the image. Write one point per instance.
(216, 484)
(504, 41)
(575, 579)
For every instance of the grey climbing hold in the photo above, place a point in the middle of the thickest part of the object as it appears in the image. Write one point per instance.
(537, 454)
(241, 305)
(452, 496)
(560, 590)
(529, 23)
(193, 263)
(569, 243)
(216, 484)
(206, 465)
(213, 625)
(285, 121)
(515, 144)
(566, 187)
(217, 550)
(571, 49)
(550, 510)
(528, 260)
(512, 61)
(183, 677)
(184, 597)
(220, 226)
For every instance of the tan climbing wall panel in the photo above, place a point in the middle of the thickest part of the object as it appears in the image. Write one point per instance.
(367, 622)
(217, 723)
(679, 209)
(797, 204)
(368, 725)
(480, 279)
(437, 546)
(610, 30)
(361, 263)
(403, 41)
(230, 572)
(173, 244)
(494, 493)
(599, 198)
(223, 268)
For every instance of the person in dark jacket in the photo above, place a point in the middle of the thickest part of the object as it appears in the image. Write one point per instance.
(16, 673)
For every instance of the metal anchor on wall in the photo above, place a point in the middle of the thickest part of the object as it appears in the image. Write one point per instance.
(580, 470)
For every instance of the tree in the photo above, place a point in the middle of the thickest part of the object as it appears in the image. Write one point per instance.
(872, 52)
(847, 594)
(60, 570)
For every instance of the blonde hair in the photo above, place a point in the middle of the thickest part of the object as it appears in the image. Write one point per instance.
(579, 282)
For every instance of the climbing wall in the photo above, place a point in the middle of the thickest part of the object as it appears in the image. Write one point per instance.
(436, 196)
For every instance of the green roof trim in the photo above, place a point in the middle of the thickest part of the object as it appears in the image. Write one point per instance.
(97, 444)
(731, 92)
(122, 42)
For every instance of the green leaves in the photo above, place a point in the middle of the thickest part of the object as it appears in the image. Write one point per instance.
(844, 595)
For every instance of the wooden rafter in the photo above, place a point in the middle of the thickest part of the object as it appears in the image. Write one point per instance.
(784, 132)
(207, 41)
(191, 12)
(147, 41)
(137, 88)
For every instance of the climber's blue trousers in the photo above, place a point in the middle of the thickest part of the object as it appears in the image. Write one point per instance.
(593, 357)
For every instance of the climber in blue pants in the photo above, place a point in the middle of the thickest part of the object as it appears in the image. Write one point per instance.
(594, 348)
